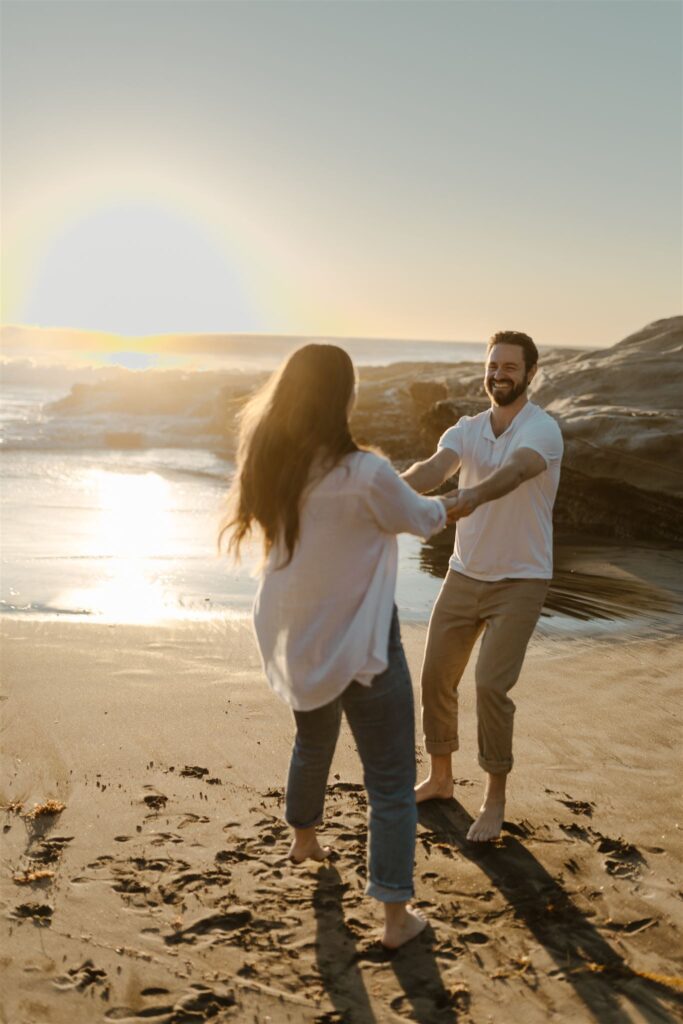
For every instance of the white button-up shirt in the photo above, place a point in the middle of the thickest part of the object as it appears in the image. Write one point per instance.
(323, 621)
(511, 537)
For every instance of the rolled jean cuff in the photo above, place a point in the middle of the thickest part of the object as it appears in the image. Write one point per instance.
(441, 746)
(389, 894)
(311, 824)
(495, 767)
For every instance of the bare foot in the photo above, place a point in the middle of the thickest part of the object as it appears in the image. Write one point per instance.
(434, 788)
(308, 849)
(401, 928)
(489, 823)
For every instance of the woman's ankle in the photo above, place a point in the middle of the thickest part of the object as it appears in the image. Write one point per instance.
(304, 836)
(401, 924)
(394, 913)
(305, 845)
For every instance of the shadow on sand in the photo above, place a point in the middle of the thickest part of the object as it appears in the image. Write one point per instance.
(340, 955)
(596, 971)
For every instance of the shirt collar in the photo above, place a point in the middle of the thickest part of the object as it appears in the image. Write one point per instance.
(521, 416)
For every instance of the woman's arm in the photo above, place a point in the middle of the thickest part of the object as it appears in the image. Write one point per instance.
(398, 509)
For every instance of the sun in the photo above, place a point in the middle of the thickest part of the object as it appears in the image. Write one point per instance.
(137, 267)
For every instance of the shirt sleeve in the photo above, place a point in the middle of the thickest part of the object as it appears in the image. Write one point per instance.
(454, 437)
(397, 508)
(544, 438)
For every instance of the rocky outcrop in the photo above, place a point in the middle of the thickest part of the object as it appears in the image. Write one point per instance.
(403, 409)
(621, 413)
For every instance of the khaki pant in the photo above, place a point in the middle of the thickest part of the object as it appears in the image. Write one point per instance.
(507, 611)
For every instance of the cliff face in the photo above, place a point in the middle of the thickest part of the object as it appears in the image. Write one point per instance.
(621, 408)
(403, 409)
(621, 414)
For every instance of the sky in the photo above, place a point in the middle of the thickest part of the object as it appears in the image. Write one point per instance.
(424, 170)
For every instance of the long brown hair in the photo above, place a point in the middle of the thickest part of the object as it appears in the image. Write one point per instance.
(299, 415)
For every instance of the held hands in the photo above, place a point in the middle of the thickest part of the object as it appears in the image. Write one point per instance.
(459, 503)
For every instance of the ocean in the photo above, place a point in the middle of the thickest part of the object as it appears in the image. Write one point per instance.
(114, 482)
(114, 485)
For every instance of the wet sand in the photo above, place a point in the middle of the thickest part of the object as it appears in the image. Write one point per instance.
(162, 888)
(638, 586)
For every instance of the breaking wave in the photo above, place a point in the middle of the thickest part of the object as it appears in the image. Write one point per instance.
(125, 410)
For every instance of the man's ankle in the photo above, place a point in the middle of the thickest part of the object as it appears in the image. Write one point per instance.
(495, 788)
(441, 767)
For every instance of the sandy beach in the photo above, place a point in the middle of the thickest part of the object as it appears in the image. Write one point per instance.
(248, 248)
(162, 889)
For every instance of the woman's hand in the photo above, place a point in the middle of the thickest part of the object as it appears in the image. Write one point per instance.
(460, 503)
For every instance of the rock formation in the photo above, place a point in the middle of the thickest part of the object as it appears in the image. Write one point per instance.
(621, 414)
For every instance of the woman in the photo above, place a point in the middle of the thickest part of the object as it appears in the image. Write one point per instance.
(324, 616)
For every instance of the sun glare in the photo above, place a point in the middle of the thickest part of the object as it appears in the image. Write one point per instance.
(133, 528)
(134, 515)
(135, 268)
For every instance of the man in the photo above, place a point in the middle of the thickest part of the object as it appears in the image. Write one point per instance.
(509, 458)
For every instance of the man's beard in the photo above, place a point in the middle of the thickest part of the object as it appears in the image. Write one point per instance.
(508, 395)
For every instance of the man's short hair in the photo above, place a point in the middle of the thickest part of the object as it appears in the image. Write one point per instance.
(516, 338)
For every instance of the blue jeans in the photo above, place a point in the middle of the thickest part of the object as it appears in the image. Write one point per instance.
(381, 717)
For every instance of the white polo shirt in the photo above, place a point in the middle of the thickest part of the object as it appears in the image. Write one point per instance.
(510, 537)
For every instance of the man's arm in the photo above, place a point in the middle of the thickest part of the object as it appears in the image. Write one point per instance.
(430, 474)
(524, 464)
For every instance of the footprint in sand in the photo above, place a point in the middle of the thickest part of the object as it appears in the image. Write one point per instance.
(156, 800)
(199, 1003)
(161, 838)
(99, 862)
(83, 977)
(175, 889)
(624, 859)
(130, 885)
(40, 862)
(234, 856)
(225, 921)
(158, 864)
(49, 851)
(577, 831)
(522, 829)
(439, 1004)
(39, 913)
(156, 804)
(578, 806)
(154, 881)
(189, 818)
(194, 771)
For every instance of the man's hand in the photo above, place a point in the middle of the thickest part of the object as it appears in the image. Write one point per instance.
(460, 503)
(524, 464)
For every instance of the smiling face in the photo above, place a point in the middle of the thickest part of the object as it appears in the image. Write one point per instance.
(506, 377)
